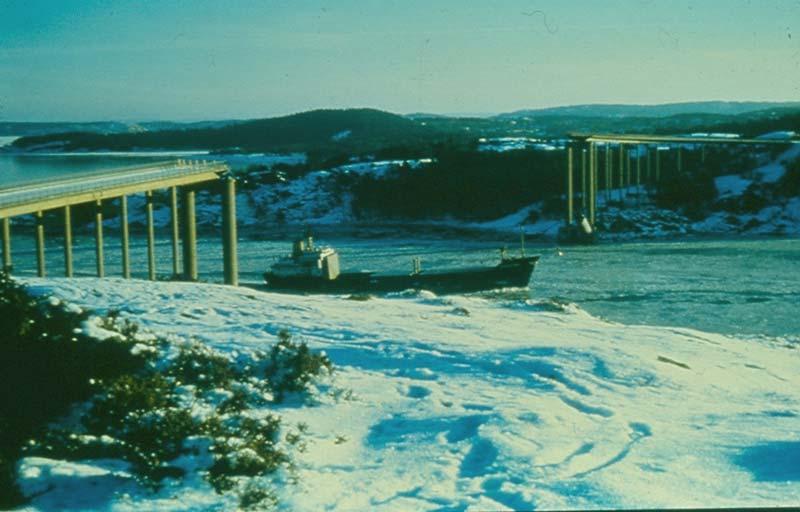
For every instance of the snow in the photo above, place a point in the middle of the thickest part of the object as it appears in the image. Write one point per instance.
(501, 144)
(341, 135)
(731, 185)
(7, 140)
(779, 135)
(773, 171)
(716, 135)
(515, 405)
(317, 198)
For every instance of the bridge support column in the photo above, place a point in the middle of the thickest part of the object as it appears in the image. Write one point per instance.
(658, 170)
(189, 237)
(583, 181)
(176, 265)
(595, 179)
(229, 252)
(570, 207)
(40, 267)
(151, 238)
(638, 175)
(609, 174)
(621, 169)
(7, 244)
(628, 169)
(67, 241)
(680, 160)
(98, 238)
(592, 181)
(125, 237)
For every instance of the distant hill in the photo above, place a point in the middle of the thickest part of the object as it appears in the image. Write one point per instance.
(9, 128)
(563, 123)
(345, 130)
(339, 134)
(728, 108)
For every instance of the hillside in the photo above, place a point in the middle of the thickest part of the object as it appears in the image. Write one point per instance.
(21, 129)
(346, 131)
(728, 108)
(343, 133)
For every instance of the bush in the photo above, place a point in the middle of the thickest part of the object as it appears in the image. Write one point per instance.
(202, 367)
(691, 192)
(247, 447)
(293, 368)
(467, 184)
(789, 184)
(46, 353)
(135, 407)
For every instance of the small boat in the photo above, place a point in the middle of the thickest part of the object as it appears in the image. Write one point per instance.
(314, 269)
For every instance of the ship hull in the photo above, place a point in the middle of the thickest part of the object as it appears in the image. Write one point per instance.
(515, 272)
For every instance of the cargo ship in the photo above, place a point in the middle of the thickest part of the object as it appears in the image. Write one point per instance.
(312, 269)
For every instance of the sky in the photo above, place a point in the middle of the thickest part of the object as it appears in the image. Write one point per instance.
(82, 60)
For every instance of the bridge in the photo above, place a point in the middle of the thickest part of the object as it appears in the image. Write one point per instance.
(630, 169)
(180, 177)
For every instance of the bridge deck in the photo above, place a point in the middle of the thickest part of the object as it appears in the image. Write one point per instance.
(632, 138)
(33, 197)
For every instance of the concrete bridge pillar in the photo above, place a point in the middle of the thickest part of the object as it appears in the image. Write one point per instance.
(98, 237)
(621, 169)
(7, 244)
(151, 238)
(638, 175)
(658, 170)
(609, 174)
(189, 236)
(229, 251)
(570, 207)
(67, 241)
(125, 237)
(583, 181)
(592, 181)
(176, 265)
(40, 266)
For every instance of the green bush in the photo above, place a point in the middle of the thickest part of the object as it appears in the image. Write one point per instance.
(692, 192)
(248, 447)
(789, 184)
(134, 402)
(467, 184)
(202, 367)
(49, 362)
(293, 368)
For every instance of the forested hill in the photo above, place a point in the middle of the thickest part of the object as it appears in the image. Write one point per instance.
(346, 131)
(719, 108)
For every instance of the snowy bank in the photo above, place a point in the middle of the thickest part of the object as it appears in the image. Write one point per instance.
(460, 403)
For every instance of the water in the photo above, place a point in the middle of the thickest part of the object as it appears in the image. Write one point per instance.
(742, 287)
(17, 169)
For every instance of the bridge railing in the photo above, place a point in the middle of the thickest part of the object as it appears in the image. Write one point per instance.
(129, 176)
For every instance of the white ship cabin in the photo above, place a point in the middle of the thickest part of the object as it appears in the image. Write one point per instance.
(308, 261)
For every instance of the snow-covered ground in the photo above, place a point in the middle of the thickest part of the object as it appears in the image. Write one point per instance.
(460, 403)
(318, 198)
(501, 144)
